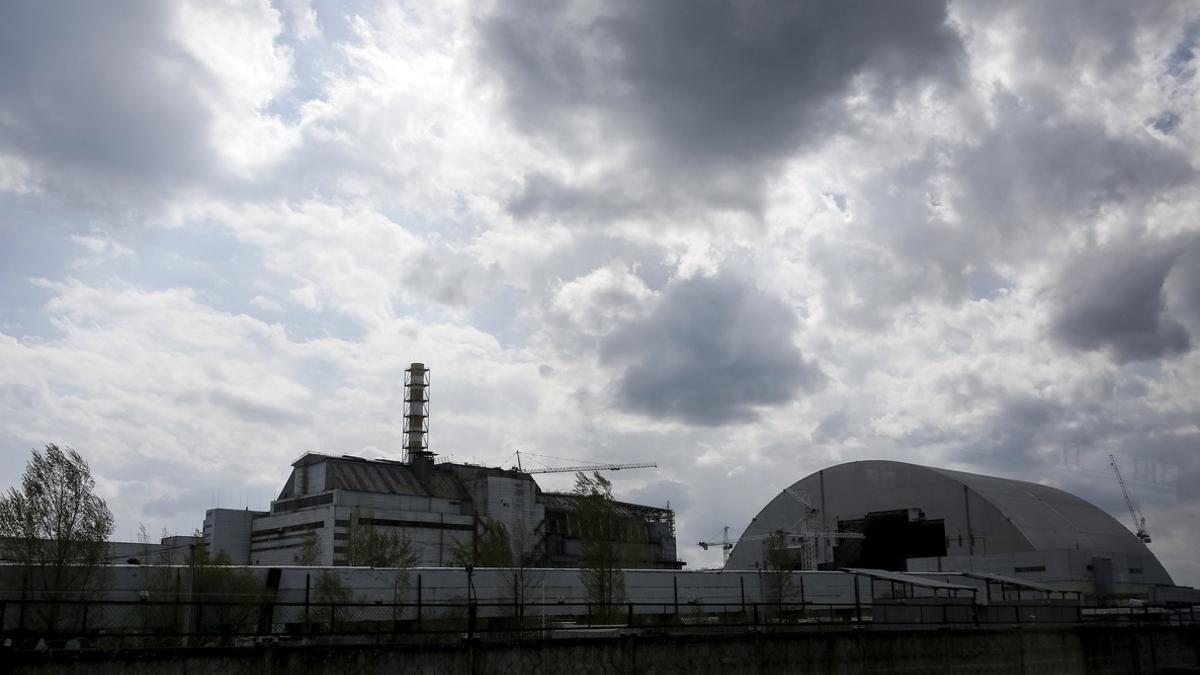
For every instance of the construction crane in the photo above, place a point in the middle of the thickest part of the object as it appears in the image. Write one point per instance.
(725, 544)
(807, 535)
(1135, 511)
(802, 540)
(590, 466)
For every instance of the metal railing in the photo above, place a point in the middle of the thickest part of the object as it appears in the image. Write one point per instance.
(103, 623)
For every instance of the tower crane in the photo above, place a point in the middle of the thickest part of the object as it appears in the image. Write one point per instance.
(1135, 511)
(796, 536)
(590, 466)
(725, 544)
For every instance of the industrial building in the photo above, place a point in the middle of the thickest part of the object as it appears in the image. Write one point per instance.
(903, 517)
(437, 506)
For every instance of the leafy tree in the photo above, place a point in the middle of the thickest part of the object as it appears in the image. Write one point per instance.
(489, 548)
(57, 528)
(368, 546)
(234, 594)
(330, 591)
(779, 562)
(522, 575)
(310, 551)
(496, 547)
(161, 580)
(328, 587)
(605, 534)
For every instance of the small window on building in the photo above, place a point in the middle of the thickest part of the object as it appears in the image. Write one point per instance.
(1135, 570)
(1030, 568)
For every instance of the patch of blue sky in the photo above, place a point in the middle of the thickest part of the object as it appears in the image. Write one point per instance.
(986, 284)
(1179, 63)
(35, 243)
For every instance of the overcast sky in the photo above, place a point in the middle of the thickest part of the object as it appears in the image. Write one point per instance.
(744, 240)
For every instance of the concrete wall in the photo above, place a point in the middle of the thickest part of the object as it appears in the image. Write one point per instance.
(710, 592)
(514, 502)
(1078, 650)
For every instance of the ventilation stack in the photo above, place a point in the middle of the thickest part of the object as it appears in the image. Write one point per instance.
(416, 420)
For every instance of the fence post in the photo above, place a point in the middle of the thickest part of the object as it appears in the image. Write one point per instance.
(471, 609)
(742, 584)
(857, 602)
(307, 583)
(629, 621)
(418, 603)
(675, 588)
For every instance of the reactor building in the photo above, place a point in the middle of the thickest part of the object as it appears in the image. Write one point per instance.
(903, 517)
(440, 507)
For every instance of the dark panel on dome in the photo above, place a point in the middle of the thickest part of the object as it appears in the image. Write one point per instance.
(889, 540)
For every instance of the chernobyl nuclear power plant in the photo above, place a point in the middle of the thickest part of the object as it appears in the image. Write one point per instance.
(923, 522)
(883, 544)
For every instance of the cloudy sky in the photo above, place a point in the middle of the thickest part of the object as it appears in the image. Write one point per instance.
(744, 240)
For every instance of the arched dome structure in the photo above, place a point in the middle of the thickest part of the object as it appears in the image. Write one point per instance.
(906, 517)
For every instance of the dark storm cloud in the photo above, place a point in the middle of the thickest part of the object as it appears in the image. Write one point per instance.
(712, 350)
(707, 95)
(1183, 285)
(832, 428)
(97, 99)
(1114, 299)
(1037, 172)
(1016, 438)
(1038, 166)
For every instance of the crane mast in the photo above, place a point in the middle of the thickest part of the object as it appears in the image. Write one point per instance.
(725, 544)
(1135, 511)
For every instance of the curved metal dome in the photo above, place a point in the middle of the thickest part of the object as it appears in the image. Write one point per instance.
(977, 515)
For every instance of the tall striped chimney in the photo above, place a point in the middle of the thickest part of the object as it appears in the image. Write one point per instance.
(416, 415)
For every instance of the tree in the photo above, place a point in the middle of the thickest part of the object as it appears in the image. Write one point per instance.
(604, 533)
(489, 548)
(367, 546)
(310, 551)
(57, 528)
(234, 594)
(161, 580)
(495, 546)
(779, 562)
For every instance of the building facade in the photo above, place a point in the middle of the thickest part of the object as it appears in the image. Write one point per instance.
(904, 517)
(439, 508)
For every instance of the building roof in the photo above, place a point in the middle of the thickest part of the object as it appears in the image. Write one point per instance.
(356, 474)
(911, 580)
(993, 515)
(1047, 516)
